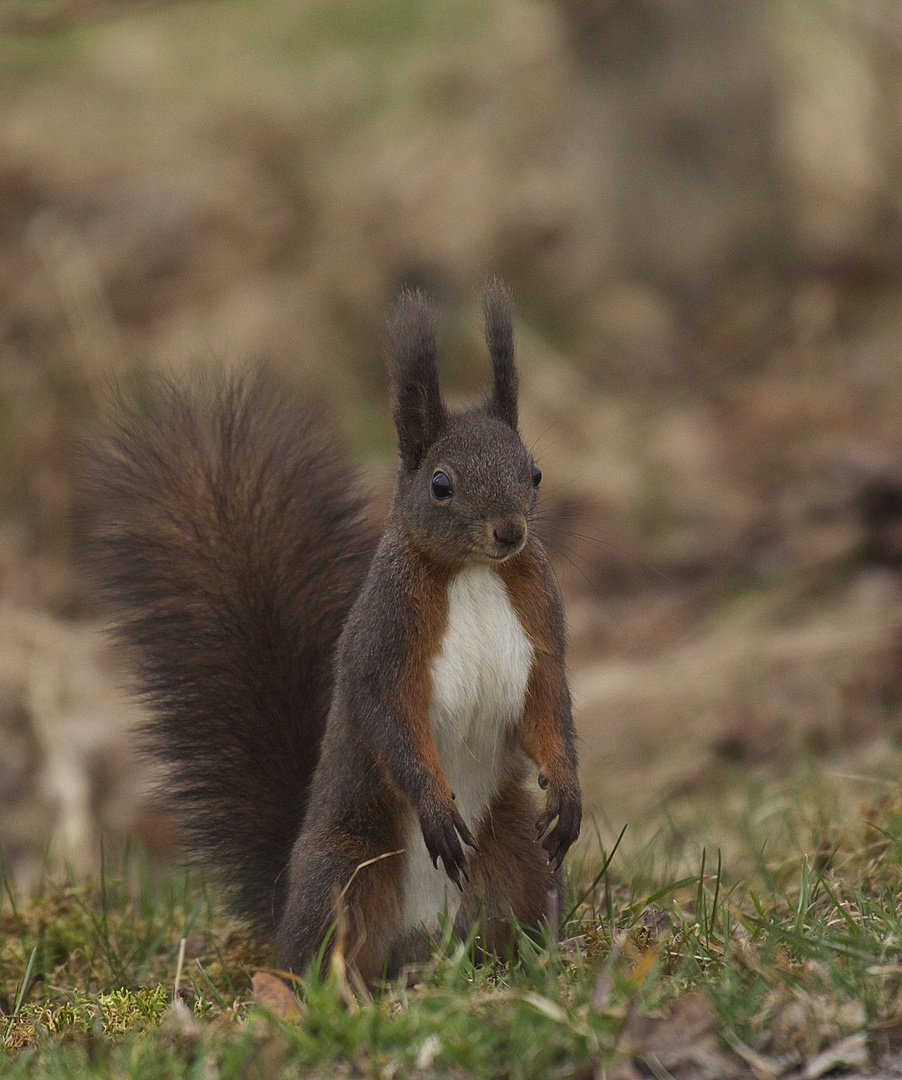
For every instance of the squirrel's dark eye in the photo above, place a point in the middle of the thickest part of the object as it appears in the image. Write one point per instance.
(441, 486)
(536, 476)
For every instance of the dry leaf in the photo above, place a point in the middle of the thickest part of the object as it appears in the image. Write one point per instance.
(682, 1043)
(848, 1053)
(272, 994)
(807, 1023)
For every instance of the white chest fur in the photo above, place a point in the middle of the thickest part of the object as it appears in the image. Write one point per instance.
(479, 681)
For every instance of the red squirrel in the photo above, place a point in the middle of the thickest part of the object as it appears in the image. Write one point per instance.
(337, 715)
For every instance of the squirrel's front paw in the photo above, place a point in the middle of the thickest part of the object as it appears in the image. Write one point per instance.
(565, 804)
(440, 833)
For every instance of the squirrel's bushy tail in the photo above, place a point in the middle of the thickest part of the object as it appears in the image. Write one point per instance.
(231, 542)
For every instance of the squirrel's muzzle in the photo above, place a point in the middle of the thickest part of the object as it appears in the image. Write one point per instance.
(508, 535)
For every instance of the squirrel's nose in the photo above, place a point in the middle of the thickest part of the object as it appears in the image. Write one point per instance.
(510, 533)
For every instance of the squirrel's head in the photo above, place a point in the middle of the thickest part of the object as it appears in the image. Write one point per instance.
(467, 485)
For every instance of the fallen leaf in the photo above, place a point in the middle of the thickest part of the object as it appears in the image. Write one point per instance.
(848, 1053)
(272, 994)
(682, 1043)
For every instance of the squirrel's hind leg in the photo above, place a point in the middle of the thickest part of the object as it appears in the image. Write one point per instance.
(347, 883)
(511, 876)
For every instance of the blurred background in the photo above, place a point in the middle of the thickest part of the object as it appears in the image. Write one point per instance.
(698, 205)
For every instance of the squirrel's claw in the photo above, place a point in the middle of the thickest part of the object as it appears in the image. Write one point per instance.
(467, 837)
(461, 828)
(566, 807)
(442, 834)
(453, 873)
(459, 872)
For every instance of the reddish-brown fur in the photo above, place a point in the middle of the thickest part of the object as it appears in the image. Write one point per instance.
(426, 588)
(547, 734)
(511, 875)
(230, 540)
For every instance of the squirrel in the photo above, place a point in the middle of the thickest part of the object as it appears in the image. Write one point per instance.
(336, 713)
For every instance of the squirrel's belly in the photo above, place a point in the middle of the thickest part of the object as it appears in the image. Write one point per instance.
(479, 678)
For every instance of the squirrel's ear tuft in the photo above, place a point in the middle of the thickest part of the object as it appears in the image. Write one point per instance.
(417, 405)
(499, 336)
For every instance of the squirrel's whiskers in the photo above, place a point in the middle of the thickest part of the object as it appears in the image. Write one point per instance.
(347, 721)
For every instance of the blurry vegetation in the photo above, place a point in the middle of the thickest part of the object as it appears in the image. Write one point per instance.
(777, 959)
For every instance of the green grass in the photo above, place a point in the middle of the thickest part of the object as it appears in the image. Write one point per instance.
(785, 951)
